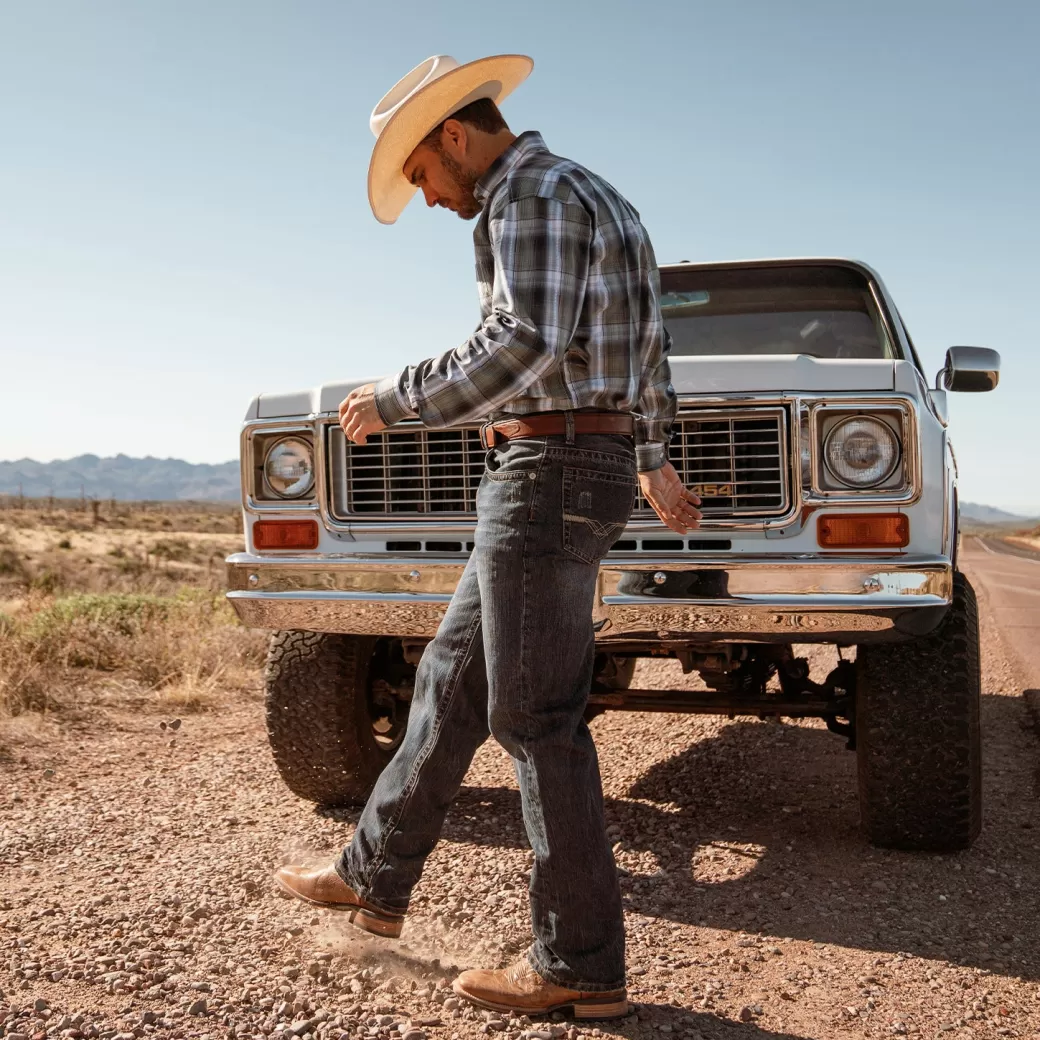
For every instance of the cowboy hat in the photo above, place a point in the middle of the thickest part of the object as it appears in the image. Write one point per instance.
(427, 96)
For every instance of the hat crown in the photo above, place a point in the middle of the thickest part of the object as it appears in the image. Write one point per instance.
(421, 76)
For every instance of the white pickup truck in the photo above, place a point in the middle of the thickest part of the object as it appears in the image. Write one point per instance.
(821, 452)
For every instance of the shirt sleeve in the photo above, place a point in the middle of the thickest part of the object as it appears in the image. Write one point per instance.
(656, 409)
(541, 255)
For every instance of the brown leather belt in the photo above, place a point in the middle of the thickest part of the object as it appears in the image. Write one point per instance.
(549, 424)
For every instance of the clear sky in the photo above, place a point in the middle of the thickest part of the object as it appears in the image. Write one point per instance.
(183, 218)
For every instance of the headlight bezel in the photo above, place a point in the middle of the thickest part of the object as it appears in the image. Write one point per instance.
(901, 483)
(257, 441)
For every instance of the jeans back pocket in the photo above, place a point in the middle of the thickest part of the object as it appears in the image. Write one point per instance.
(596, 509)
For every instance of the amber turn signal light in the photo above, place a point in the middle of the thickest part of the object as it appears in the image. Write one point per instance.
(864, 531)
(285, 534)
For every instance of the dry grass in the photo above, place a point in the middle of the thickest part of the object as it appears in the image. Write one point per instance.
(1027, 539)
(103, 612)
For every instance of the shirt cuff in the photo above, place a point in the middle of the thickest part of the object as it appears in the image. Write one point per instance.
(650, 456)
(391, 401)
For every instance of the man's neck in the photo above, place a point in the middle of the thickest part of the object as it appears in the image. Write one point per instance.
(489, 147)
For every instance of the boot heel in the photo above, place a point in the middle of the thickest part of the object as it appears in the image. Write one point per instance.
(601, 1009)
(369, 922)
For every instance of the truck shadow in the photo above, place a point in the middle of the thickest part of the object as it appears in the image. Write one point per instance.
(756, 830)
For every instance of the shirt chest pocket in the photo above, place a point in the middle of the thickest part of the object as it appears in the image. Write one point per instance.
(596, 508)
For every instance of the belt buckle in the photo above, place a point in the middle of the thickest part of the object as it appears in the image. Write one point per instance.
(487, 436)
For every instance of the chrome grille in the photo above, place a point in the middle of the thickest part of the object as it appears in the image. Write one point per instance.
(407, 472)
(736, 458)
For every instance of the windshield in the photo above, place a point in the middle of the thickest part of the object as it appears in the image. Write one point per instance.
(825, 312)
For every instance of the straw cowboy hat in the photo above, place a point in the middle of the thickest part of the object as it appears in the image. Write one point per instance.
(426, 97)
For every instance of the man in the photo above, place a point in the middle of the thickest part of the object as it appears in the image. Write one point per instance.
(570, 358)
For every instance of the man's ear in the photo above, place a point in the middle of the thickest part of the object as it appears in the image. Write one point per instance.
(455, 137)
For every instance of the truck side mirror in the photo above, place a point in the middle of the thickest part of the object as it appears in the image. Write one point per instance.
(971, 369)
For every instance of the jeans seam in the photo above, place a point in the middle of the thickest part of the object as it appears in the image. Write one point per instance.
(452, 685)
(523, 592)
(534, 498)
(571, 452)
(608, 476)
(361, 889)
(550, 976)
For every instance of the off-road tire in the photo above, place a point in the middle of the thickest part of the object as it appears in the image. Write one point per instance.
(918, 740)
(318, 719)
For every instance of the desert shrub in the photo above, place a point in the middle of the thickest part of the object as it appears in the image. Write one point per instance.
(172, 549)
(190, 645)
(122, 614)
(24, 683)
(65, 543)
(92, 631)
(47, 581)
(132, 567)
(11, 563)
(29, 689)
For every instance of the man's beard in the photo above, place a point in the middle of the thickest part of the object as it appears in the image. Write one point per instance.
(468, 205)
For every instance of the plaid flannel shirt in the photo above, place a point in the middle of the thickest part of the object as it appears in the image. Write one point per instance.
(570, 302)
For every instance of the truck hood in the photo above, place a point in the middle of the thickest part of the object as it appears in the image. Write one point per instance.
(775, 373)
(710, 376)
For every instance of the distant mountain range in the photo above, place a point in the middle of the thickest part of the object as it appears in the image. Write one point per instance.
(121, 477)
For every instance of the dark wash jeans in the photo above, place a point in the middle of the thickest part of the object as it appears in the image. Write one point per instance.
(514, 659)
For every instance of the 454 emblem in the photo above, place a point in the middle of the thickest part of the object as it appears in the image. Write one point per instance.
(713, 490)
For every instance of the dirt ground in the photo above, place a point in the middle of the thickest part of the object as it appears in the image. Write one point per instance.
(136, 854)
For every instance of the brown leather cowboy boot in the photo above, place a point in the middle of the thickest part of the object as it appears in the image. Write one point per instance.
(521, 989)
(322, 886)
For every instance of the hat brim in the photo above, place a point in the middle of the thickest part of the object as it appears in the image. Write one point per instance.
(389, 191)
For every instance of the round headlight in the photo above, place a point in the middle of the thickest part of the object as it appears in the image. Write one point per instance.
(289, 467)
(861, 452)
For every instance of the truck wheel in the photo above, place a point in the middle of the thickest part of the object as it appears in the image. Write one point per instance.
(330, 730)
(918, 736)
(609, 673)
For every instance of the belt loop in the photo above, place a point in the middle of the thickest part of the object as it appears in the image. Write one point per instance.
(568, 422)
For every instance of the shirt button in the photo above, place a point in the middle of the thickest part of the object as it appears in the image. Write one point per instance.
(508, 322)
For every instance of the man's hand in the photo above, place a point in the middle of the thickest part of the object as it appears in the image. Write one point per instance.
(358, 414)
(672, 502)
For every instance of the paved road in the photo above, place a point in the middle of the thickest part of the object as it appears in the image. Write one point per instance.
(1010, 580)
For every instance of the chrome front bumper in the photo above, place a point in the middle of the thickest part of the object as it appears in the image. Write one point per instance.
(759, 599)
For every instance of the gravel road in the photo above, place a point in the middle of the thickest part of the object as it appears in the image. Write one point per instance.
(135, 891)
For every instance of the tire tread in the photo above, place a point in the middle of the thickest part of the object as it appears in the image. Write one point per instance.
(918, 734)
(315, 685)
